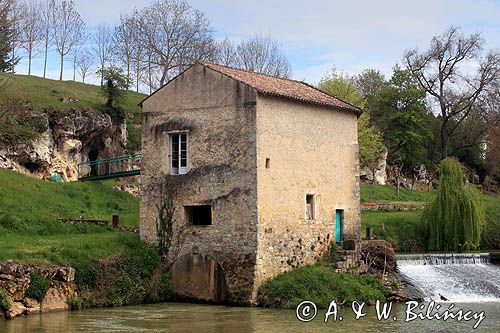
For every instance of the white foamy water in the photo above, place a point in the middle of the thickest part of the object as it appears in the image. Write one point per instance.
(462, 278)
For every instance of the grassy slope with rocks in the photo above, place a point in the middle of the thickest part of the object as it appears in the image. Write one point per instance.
(46, 94)
(30, 232)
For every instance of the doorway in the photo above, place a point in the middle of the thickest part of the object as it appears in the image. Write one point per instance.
(339, 217)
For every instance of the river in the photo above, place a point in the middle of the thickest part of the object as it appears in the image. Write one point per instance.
(181, 317)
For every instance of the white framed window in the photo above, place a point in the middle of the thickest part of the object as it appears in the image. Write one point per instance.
(178, 153)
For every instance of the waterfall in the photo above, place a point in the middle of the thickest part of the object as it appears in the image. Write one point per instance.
(452, 277)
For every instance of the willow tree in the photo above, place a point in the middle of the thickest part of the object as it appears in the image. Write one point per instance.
(453, 220)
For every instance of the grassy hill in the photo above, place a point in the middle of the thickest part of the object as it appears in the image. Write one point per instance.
(29, 226)
(47, 94)
(112, 267)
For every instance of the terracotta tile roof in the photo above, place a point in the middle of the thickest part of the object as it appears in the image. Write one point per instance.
(291, 89)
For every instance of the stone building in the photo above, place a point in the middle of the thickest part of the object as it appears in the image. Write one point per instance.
(263, 173)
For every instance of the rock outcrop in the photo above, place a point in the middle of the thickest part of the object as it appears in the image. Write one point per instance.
(380, 172)
(71, 137)
(15, 279)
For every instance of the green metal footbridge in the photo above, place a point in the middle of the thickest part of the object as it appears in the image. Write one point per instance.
(114, 167)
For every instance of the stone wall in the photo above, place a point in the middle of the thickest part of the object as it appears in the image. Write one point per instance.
(15, 280)
(308, 150)
(253, 158)
(219, 115)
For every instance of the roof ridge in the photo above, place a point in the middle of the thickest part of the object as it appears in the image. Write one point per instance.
(212, 65)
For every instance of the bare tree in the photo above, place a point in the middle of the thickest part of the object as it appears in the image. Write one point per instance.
(16, 13)
(138, 51)
(226, 52)
(47, 14)
(103, 44)
(77, 53)
(31, 35)
(260, 54)
(84, 64)
(177, 35)
(456, 93)
(68, 30)
(6, 62)
(263, 54)
(123, 42)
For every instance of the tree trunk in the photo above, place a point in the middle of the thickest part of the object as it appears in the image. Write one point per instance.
(62, 68)
(444, 142)
(29, 62)
(45, 61)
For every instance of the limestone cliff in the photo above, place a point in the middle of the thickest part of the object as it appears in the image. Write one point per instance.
(71, 137)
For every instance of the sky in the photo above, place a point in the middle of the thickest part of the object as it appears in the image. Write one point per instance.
(319, 35)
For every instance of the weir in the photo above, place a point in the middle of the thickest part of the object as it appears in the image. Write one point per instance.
(452, 277)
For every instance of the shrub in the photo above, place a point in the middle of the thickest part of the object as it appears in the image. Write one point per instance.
(321, 285)
(453, 220)
(76, 303)
(332, 256)
(5, 301)
(38, 287)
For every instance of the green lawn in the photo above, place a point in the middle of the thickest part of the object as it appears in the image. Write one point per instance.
(400, 228)
(385, 193)
(34, 203)
(46, 93)
(30, 230)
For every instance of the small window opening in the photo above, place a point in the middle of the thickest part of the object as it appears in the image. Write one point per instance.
(310, 209)
(199, 215)
(268, 163)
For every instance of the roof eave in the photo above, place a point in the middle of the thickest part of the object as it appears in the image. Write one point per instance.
(352, 109)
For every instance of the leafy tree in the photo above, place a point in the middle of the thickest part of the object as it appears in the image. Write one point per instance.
(369, 83)
(453, 220)
(369, 138)
(114, 87)
(343, 86)
(493, 152)
(370, 145)
(403, 118)
(7, 62)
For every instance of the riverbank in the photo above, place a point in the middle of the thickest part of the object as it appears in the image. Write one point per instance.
(112, 267)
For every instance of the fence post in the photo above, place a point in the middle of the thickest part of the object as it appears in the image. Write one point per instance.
(116, 221)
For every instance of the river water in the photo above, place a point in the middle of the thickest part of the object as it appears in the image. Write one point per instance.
(179, 317)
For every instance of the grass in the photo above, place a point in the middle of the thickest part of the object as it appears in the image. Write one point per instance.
(30, 230)
(112, 267)
(388, 193)
(46, 94)
(319, 284)
(32, 203)
(400, 228)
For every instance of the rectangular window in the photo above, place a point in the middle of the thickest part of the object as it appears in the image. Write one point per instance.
(310, 209)
(178, 153)
(198, 215)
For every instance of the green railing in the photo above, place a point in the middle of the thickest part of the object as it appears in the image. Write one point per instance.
(114, 167)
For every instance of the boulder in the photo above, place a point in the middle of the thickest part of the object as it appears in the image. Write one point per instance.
(16, 309)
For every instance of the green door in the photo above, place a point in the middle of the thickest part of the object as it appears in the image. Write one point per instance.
(338, 225)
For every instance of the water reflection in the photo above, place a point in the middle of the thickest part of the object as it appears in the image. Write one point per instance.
(175, 317)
